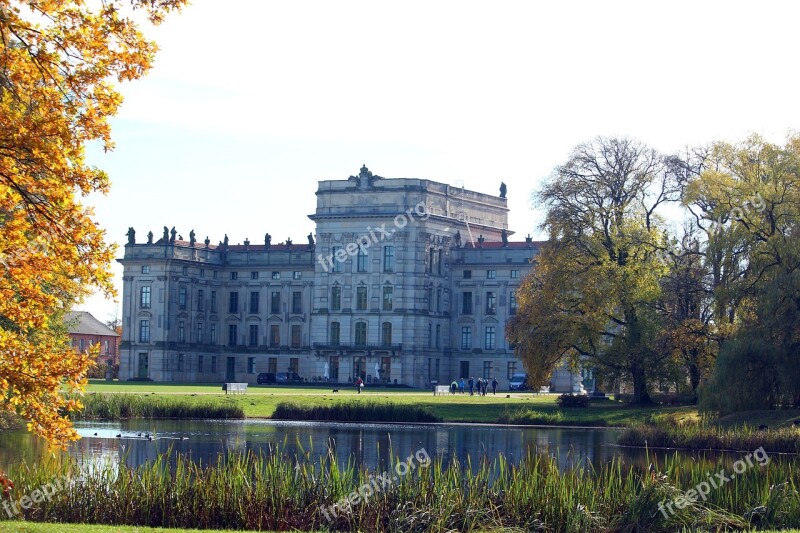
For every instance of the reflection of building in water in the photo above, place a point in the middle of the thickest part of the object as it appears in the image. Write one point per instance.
(408, 281)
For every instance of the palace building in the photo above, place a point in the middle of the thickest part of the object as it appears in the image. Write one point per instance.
(408, 281)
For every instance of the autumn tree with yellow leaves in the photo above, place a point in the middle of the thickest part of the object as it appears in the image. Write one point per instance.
(59, 62)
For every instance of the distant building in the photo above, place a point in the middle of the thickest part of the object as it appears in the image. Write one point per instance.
(86, 331)
(408, 281)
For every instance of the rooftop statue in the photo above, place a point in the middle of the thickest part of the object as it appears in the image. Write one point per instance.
(131, 235)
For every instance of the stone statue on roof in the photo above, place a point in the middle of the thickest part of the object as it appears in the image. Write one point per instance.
(267, 240)
(208, 242)
(288, 241)
(310, 240)
(457, 239)
(502, 190)
(504, 237)
(225, 241)
(165, 238)
(131, 235)
(172, 234)
(149, 237)
(192, 240)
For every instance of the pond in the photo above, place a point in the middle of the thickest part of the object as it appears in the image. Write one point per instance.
(136, 442)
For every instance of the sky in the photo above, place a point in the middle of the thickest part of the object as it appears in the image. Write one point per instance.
(251, 103)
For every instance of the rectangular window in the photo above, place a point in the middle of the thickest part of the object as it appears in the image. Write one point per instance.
(334, 369)
(336, 298)
(297, 274)
(335, 330)
(514, 274)
(213, 364)
(512, 303)
(297, 335)
(275, 303)
(181, 331)
(491, 303)
(468, 274)
(200, 364)
(251, 365)
(234, 275)
(254, 275)
(181, 361)
(466, 303)
(185, 271)
(276, 275)
(294, 365)
(253, 335)
(361, 260)
(82, 345)
(199, 334)
(337, 261)
(145, 269)
(297, 302)
(201, 300)
(254, 295)
(388, 258)
(512, 369)
(491, 274)
(438, 300)
(144, 331)
(361, 298)
(439, 262)
(213, 301)
(272, 365)
(438, 335)
(233, 332)
(212, 334)
(215, 275)
(361, 333)
(182, 298)
(144, 297)
(274, 336)
(430, 335)
(489, 338)
(388, 293)
(430, 299)
(233, 303)
(488, 370)
(386, 334)
(466, 337)
(202, 275)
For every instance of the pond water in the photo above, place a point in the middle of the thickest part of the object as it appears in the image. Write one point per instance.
(136, 442)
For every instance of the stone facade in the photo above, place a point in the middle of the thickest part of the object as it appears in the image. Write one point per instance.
(408, 281)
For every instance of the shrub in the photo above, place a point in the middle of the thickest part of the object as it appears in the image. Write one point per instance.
(573, 400)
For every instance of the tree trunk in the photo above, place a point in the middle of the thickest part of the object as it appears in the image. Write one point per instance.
(640, 394)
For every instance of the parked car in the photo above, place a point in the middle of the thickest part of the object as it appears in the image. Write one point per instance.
(519, 382)
(287, 377)
(265, 378)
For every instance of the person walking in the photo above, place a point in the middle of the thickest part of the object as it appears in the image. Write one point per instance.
(471, 385)
(453, 387)
(461, 386)
(494, 386)
(359, 384)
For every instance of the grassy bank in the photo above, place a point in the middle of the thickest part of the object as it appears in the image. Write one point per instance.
(280, 493)
(354, 412)
(123, 406)
(700, 436)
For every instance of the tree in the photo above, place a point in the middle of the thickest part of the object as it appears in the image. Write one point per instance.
(594, 290)
(58, 61)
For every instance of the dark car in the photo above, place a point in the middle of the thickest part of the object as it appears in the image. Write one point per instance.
(265, 379)
(287, 377)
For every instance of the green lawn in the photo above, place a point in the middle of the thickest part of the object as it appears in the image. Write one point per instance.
(260, 401)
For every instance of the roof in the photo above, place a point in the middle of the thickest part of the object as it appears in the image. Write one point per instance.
(499, 245)
(83, 323)
(279, 247)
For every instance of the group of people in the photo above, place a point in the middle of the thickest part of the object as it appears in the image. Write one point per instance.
(480, 386)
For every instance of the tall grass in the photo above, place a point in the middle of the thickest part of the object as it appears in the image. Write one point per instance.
(282, 492)
(354, 412)
(121, 406)
(704, 436)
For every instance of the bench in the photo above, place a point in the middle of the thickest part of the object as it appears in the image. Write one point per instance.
(234, 387)
(441, 389)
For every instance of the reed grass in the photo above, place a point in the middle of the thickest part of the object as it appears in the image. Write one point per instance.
(529, 417)
(282, 492)
(705, 436)
(123, 406)
(354, 412)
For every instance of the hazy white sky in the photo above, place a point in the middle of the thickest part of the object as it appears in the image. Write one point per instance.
(252, 102)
